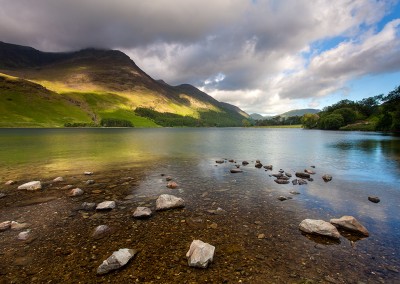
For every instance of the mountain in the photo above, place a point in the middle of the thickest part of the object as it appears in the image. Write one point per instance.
(299, 112)
(97, 84)
(256, 116)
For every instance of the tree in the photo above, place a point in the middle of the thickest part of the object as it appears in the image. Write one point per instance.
(332, 121)
(349, 115)
(246, 123)
(310, 120)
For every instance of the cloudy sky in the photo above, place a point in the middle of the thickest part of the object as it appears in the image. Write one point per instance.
(265, 56)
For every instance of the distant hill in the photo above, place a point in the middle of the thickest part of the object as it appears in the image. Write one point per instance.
(101, 84)
(296, 112)
(299, 112)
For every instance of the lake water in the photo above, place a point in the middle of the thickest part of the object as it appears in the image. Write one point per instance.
(362, 165)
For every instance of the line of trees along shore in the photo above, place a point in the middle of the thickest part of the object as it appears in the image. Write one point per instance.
(378, 113)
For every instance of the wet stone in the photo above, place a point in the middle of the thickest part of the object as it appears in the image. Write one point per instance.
(33, 185)
(327, 178)
(18, 226)
(308, 171)
(294, 192)
(101, 231)
(374, 199)
(58, 179)
(117, 260)
(281, 181)
(5, 226)
(2, 195)
(288, 174)
(88, 206)
(200, 254)
(301, 181)
(24, 236)
(319, 227)
(219, 161)
(302, 175)
(245, 163)
(283, 198)
(76, 192)
(258, 165)
(67, 187)
(172, 185)
(89, 182)
(88, 173)
(351, 224)
(142, 213)
(166, 201)
(235, 171)
(106, 205)
(10, 182)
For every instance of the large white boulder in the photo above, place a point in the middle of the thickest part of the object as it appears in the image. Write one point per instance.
(200, 254)
(116, 260)
(32, 185)
(319, 227)
(350, 223)
(166, 201)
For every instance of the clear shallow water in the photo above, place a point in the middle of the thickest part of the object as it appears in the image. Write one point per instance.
(362, 164)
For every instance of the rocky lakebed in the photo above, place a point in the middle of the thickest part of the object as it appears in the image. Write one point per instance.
(229, 222)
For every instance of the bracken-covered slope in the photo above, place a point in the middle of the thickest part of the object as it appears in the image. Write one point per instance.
(101, 84)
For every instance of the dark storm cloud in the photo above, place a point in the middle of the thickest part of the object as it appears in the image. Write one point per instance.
(250, 52)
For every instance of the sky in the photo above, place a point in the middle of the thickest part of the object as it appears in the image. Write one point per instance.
(264, 56)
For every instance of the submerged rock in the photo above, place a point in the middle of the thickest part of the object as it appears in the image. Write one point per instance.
(76, 192)
(168, 178)
(217, 211)
(302, 175)
(89, 182)
(268, 167)
(350, 223)
(245, 163)
(33, 185)
(58, 179)
(142, 212)
(374, 199)
(327, 178)
(200, 254)
(172, 184)
(258, 165)
(101, 231)
(283, 198)
(311, 172)
(219, 161)
(18, 226)
(106, 205)
(281, 181)
(288, 174)
(294, 192)
(88, 206)
(167, 201)
(5, 226)
(301, 181)
(319, 227)
(117, 260)
(295, 181)
(236, 170)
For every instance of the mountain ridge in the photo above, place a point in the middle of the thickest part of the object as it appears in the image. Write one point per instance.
(108, 82)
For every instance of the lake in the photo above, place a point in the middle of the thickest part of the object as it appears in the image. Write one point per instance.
(257, 238)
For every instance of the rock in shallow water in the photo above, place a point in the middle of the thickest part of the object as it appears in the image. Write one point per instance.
(302, 175)
(117, 260)
(32, 185)
(101, 231)
(58, 179)
(350, 223)
(166, 201)
(10, 182)
(327, 178)
(106, 205)
(5, 226)
(200, 254)
(374, 199)
(76, 192)
(319, 227)
(142, 212)
(235, 171)
(18, 226)
(172, 185)
(88, 206)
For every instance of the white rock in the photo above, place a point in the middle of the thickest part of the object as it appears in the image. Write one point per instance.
(23, 236)
(18, 226)
(142, 212)
(33, 185)
(10, 182)
(101, 231)
(58, 179)
(116, 260)
(319, 227)
(76, 192)
(5, 226)
(87, 173)
(166, 201)
(200, 254)
(106, 205)
(350, 223)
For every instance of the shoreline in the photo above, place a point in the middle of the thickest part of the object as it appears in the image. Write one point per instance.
(282, 255)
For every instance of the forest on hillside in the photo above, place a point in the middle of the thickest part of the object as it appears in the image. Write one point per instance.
(377, 113)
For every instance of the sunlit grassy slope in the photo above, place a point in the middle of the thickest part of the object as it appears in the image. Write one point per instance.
(26, 104)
